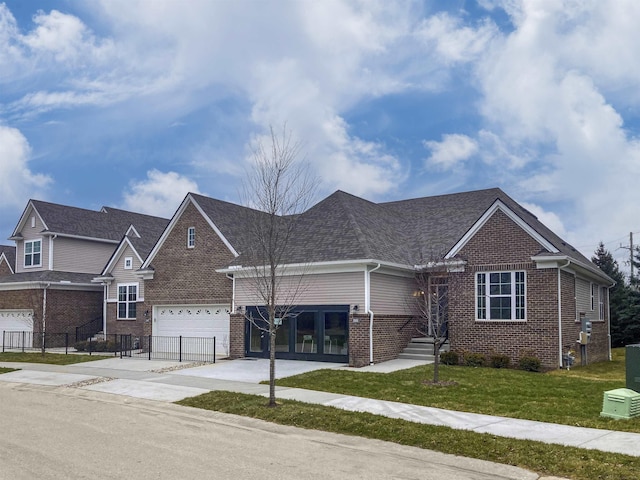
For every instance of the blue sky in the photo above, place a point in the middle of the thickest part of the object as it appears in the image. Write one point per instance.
(133, 103)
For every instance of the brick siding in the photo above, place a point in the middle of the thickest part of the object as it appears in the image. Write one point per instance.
(66, 309)
(503, 246)
(391, 334)
(187, 275)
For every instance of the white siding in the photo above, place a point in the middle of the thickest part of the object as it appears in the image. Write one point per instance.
(583, 297)
(392, 295)
(81, 256)
(320, 289)
(32, 233)
(122, 275)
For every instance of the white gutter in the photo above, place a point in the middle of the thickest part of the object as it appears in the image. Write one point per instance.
(560, 311)
(367, 306)
(609, 320)
(233, 293)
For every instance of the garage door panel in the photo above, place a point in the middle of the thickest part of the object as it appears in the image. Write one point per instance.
(200, 321)
(12, 324)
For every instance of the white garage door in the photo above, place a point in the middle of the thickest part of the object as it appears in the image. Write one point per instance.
(193, 321)
(12, 324)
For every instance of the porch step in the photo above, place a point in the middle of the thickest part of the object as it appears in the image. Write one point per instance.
(421, 349)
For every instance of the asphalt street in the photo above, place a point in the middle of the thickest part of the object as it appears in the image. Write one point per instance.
(52, 432)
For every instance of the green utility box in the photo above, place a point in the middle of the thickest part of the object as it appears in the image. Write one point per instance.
(621, 403)
(632, 353)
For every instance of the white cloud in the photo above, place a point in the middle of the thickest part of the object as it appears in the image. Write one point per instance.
(159, 194)
(550, 219)
(19, 181)
(453, 150)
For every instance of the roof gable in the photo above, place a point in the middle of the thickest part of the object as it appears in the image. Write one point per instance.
(200, 203)
(8, 256)
(499, 205)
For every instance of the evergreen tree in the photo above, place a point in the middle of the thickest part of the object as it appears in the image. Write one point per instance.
(624, 302)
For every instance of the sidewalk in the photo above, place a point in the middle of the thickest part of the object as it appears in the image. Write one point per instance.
(157, 380)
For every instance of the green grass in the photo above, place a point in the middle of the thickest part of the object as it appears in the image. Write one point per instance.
(6, 370)
(566, 397)
(542, 458)
(51, 358)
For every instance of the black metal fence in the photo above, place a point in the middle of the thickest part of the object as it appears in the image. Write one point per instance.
(148, 347)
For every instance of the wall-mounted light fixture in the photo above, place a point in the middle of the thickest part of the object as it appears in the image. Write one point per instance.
(355, 308)
(146, 315)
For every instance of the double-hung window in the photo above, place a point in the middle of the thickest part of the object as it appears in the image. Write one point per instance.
(127, 298)
(500, 296)
(33, 253)
(191, 237)
(601, 302)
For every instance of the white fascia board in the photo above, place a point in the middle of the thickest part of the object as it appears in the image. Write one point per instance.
(337, 266)
(176, 216)
(103, 279)
(4, 257)
(145, 274)
(132, 232)
(23, 219)
(570, 264)
(125, 242)
(79, 237)
(499, 205)
(62, 285)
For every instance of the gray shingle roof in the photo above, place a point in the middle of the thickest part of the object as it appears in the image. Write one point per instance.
(345, 227)
(10, 254)
(48, 276)
(106, 224)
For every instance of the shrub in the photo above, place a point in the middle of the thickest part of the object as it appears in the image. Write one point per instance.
(500, 361)
(449, 358)
(474, 360)
(530, 363)
(80, 346)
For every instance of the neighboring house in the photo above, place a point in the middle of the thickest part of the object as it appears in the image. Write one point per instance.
(7, 260)
(123, 289)
(59, 250)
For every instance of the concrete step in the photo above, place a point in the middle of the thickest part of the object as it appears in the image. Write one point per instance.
(416, 356)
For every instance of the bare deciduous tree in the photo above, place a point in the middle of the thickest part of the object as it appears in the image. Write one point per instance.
(281, 186)
(435, 283)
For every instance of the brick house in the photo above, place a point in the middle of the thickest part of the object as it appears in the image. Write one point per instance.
(59, 250)
(519, 288)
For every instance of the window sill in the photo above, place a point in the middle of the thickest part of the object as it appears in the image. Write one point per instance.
(482, 320)
(126, 319)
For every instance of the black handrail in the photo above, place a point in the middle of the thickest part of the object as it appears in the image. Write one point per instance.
(89, 329)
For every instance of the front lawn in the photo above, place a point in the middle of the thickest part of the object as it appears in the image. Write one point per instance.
(51, 358)
(6, 370)
(539, 457)
(566, 397)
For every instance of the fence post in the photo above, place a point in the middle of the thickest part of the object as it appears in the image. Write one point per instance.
(66, 343)
(89, 346)
(214, 349)
(150, 339)
(23, 340)
(2, 341)
(180, 350)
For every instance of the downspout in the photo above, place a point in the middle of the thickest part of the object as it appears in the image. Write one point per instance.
(609, 318)
(44, 314)
(105, 295)
(560, 311)
(233, 292)
(367, 302)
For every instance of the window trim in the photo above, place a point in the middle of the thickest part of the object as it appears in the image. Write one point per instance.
(128, 263)
(593, 296)
(191, 237)
(601, 312)
(513, 295)
(24, 257)
(127, 300)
